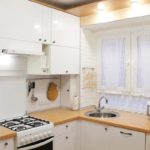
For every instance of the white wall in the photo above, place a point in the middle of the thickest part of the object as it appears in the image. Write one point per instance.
(88, 94)
(12, 97)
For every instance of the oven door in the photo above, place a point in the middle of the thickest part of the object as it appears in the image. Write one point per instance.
(45, 144)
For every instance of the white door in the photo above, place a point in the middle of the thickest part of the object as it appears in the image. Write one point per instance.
(64, 60)
(122, 139)
(92, 136)
(20, 20)
(65, 29)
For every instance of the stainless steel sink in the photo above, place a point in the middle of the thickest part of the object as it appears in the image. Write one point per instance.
(102, 114)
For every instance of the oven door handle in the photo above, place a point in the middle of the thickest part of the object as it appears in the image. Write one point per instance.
(37, 145)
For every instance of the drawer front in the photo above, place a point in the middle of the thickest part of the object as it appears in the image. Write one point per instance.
(7, 144)
(65, 128)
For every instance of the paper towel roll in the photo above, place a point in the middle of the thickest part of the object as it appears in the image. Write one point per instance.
(75, 104)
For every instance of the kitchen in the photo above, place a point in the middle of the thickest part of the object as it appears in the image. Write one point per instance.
(74, 75)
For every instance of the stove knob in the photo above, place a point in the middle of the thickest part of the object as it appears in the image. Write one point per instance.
(49, 133)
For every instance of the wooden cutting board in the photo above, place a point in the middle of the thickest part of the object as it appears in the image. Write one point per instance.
(52, 92)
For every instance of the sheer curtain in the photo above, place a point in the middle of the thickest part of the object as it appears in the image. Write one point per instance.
(112, 62)
(143, 62)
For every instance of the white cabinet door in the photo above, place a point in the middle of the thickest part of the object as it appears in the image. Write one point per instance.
(65, 29)
(20, 20)
(122, 139)
(64, 60)
(92, 136)
(46, 25)
(7, 144)
(66, 136)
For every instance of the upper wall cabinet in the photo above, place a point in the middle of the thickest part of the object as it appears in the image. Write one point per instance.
(113, 59)
(65, 29)
(24, 26)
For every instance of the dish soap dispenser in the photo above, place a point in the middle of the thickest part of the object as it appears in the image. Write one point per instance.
(148, 108)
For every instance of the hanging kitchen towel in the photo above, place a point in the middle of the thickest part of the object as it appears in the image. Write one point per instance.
(52, 92)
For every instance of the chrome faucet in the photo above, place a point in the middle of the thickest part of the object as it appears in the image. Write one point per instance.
(100, 108)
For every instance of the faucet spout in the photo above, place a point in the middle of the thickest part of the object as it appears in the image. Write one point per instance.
(100, 108)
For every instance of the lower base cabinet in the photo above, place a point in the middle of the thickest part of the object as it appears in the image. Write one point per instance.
(100, 137)
(66, 136)
(7, 144)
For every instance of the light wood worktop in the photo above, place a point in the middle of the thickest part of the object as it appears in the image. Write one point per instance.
(128, 120)
(6, 133)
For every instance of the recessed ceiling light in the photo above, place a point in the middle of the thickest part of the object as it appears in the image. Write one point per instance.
(135, 3)
(101, 6)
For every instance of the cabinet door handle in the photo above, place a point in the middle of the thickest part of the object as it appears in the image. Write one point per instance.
(54, 42)
(130, 134)
(66, 71)
(67, 137)
(40, 39)
(67, 126)
(6, 144)
(45, 40)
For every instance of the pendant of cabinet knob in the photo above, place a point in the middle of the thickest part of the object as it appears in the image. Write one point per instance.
(6, 144)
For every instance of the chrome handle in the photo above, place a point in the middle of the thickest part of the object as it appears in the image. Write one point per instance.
(130, 134)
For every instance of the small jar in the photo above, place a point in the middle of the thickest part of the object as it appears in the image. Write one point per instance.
(148, 108)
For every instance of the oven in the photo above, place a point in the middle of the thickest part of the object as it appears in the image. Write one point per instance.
(44, 144)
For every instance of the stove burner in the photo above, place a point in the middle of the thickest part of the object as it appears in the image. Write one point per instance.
(20, 127)
(23, 123)
(9, 123)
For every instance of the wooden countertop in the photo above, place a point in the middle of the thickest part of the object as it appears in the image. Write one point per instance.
(128, 120)
(6, 133)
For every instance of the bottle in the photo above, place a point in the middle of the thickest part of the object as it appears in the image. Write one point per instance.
(148, 108)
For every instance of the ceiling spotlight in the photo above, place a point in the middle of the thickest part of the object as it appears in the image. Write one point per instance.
(101, 6)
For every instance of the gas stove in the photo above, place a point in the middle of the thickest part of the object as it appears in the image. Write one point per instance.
(29, 129)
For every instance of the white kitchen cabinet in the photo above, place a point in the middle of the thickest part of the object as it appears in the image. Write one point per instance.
(24, 26)
(65, 29)
(64, 60)
(66, 136)
(101, 137)
(92, 136)
(123, 139)
(7, 144)
(20, 20)
(57, 60)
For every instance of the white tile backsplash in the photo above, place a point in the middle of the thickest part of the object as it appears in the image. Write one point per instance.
(41, 86)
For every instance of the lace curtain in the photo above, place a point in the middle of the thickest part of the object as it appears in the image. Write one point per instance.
(112, 62)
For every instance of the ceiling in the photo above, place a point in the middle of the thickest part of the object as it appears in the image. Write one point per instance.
(67, 4)
(86, 7)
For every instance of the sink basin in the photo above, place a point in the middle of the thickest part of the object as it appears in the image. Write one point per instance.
(102, 114)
